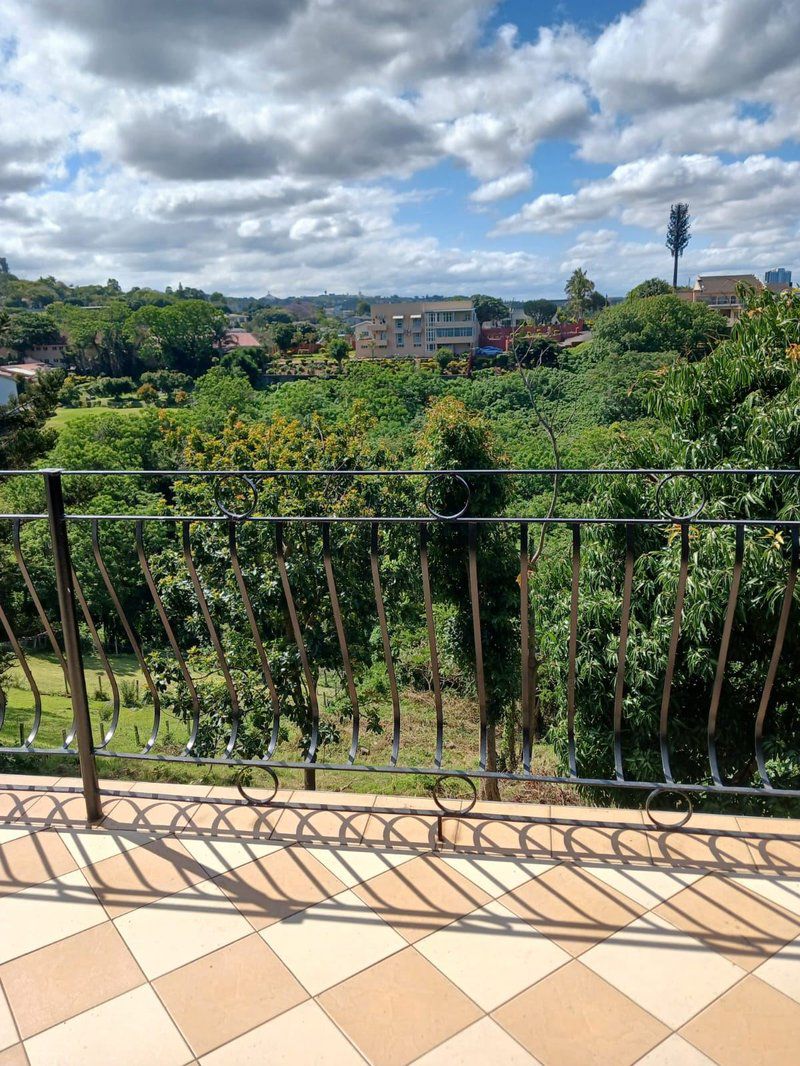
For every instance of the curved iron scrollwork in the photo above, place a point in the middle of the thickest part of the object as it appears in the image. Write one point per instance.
(666, 512)
(251, 490)
(459, 512)
(251, 800)
(668, 825)
(437, 799)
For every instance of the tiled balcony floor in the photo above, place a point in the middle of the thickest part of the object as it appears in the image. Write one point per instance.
(178, 932)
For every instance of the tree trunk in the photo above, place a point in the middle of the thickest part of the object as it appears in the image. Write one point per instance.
(490, 787)
(675, 271)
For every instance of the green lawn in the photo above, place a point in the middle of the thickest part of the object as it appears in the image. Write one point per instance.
(65, 415)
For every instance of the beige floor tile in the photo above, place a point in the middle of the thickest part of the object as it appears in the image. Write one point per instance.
(421, 896)
(61, 980)
(398, 1009)
(66, 808)
(135, 878)
(740, 925)
(618, 837)
(692, 847)
(8, 1030)
(332, 940)
(180, 928)
(779, 889)
(530, 839)
(496, 876)
(226, 820)
(46, 913)
(16, 806)
(573, 1018)
(414, 830)
(782, 971)
(675, 1051)
(157, 817)
(663, 969)
(90, 846)
(31, 859)
(318, 827)
(569, 905)
(285, 1041)
(270, 889)
(226, 993)
(9, 832)
(217, 856)
(131, 1030)
(14, 1056)
(777, 854)
(354, 865)
(752, 1025)
(41, 781)
(647, 885)
(358, 800)
(470, 951)
(478, 1045)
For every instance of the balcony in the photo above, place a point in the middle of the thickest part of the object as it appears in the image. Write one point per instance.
(293, 912)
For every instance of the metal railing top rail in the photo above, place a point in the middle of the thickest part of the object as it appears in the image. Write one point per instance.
(429, 472)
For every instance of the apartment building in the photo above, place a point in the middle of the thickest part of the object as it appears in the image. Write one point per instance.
(415, 329)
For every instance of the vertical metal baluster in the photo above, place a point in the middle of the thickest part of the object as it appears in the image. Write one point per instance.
(59, 543)
(573, 651)
(16, 647)
(525, 648)
(173, 643)
(474, 595)
(101, 655)
(130, 634)
(722, 659)
(780, 636)
(677, 618)
(387, 647)
(37, 603)
(280, 549)
(340, 633)
(214, 638)
(432, 646)
(262, 655)
(619, 688)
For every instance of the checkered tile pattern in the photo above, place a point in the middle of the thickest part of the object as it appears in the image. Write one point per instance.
(179, 932)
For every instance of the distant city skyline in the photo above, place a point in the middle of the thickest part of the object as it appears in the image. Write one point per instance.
(455, 147)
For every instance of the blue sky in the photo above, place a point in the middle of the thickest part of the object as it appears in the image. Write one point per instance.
(381, 147)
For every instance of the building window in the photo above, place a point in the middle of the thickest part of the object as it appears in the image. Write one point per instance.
(399, 341)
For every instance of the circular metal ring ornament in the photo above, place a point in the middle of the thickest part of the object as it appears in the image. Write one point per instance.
(236, 516)
(250, 799)
(467, 496)
(668, 825)
(449, 810)
(684, 517)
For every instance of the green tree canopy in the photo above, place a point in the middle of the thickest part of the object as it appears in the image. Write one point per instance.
(489, 308)
(660, 323)
(650, 287)
(183, 336)
(579, 290)
(540, 311)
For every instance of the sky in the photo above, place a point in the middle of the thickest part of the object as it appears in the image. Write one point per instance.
(396, 146)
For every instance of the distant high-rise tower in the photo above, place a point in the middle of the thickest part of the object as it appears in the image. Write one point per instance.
(778, 276)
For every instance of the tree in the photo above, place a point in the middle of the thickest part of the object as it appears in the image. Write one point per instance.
(183, 336)
(363, 307)
(489, 308)
(535, 350)
(540, 311)
(29, 328)
(339, 350)
(678, 235)
(5, 326)
(651, 287)
(661, 323)
(579, 290)
(250, 361)
(283, 335)
(24, 436)
(147, 393)
(444, 356)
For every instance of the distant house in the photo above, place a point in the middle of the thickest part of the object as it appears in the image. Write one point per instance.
(239, 338)
(52, 354)
(414, 329)
(720, 291)
(14, 375)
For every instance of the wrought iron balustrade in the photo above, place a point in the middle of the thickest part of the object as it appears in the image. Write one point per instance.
(70, 592)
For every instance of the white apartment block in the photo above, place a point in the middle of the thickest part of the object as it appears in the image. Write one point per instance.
(415, 329)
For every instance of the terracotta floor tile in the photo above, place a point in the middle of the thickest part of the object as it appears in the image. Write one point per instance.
(332, 940)
(31, 859)
(228, 992)
(218, 856)
(414, 830)
(675, 1051)
(157, 817)
(16, 806)
(421, 896)
(66, 808)
(778, 854)
(572, 839)
(317, 827)
(468, 952)
(180, 928)
(285, 1041)
(398, 1009)
(497, 876)
(281, 884)
(482, 1042)
(130, 1030)
(45, 913)
(647, 885)
(663, 969)
(531, 839)
(740, 925)
(61, 980)
(692, 847)
(354, 865)
(573, 1018)
(233, 820)
(90, 846)
(14, 1056)
(8, 1029)
(777, 888)
(782, 971)
(572, 907)
(136, 878)
(752, 1025)
(9, 831)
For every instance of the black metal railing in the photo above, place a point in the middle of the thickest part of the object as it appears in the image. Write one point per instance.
(182, 574)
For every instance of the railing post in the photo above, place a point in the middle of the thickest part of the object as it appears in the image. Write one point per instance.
(72, 645)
